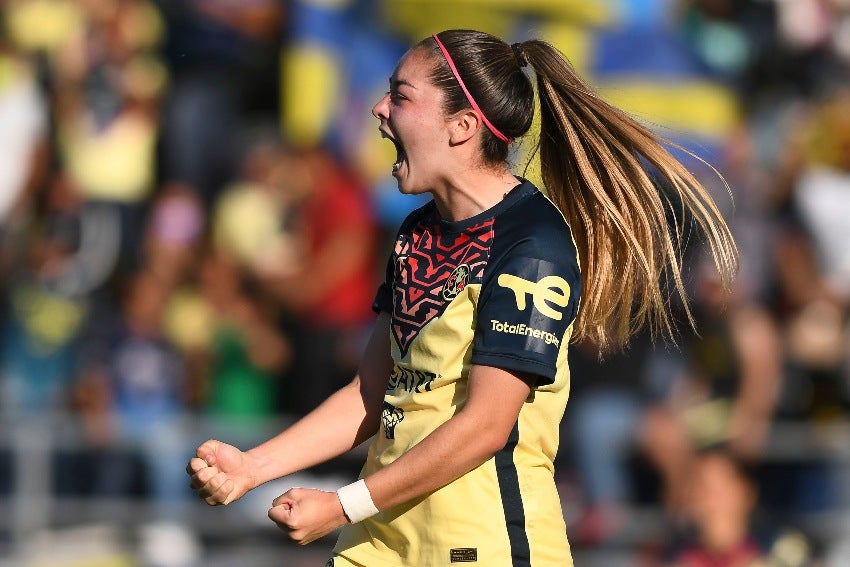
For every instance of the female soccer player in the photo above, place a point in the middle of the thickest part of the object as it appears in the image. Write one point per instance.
(465, 379)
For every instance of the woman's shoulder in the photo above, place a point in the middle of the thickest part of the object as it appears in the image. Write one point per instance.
(534, 221)
(533, 209)
(532, 240)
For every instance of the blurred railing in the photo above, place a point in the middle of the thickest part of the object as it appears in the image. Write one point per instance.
(31, 505)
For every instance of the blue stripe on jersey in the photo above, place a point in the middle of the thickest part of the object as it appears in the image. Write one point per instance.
(506, 473)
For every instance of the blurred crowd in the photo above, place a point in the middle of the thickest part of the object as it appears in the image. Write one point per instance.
(195, 209)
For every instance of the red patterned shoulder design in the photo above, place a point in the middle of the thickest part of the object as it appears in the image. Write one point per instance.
(431, 269)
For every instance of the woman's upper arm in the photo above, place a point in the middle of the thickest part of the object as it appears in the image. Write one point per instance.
(376, 365)
(494, 399)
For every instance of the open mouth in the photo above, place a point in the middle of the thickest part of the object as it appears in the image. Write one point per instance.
(400, 153)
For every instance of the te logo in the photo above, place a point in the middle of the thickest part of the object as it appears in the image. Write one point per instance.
(550, 289)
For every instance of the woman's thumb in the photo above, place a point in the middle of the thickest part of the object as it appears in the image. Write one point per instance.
(207, 452)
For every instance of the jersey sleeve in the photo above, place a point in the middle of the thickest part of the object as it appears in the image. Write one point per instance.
(527, 302)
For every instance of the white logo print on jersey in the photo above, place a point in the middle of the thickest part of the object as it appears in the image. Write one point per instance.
(523, 329)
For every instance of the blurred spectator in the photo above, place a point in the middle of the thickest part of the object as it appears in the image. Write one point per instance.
(223, 57)
(24, 135)
(811, 295)
(724, 530)
(607, 401)
(91, 234)
(721, 506)
(47, 305)
(822, 194)
(249, 352)
(727, 395)
(39, 341)
(44, 28)
(239, 352)
(24, 142)
(328, 289)
(132, 393)
(253, 216)
(110, 82)
(243, 354)
(173, 233)
(810, 288)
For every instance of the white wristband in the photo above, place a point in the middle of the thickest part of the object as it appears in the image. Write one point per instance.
(356, 501)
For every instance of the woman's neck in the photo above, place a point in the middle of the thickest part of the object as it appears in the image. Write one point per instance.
(464, 196)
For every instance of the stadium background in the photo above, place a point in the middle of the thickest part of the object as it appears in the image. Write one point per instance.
(194, 205)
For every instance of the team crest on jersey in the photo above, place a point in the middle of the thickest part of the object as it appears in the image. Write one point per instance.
(391, 416)
(456, 282)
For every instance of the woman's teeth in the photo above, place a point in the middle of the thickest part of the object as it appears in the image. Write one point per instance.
(399, 160)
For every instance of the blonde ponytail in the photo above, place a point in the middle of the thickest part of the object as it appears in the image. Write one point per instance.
(628, 226)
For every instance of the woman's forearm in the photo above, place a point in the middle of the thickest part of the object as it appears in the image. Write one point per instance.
(339, 424)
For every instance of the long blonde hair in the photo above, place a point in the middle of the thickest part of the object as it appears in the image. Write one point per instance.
(628, 224)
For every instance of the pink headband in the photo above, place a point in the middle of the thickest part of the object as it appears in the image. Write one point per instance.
(471, 100)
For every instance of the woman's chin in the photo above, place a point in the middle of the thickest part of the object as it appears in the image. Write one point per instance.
(406, 185)
(406, 189)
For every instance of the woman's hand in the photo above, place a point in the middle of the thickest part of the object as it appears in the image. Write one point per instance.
(221, 473)
(307, 514)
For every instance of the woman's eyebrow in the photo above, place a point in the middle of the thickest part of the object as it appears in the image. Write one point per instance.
(394, 82)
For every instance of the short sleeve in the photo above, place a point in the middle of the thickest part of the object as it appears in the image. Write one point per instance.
(526, 305)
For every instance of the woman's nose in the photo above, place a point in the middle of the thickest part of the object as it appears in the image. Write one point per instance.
(380, 110)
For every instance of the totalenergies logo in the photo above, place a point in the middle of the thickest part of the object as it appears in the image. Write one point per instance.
(523, 329)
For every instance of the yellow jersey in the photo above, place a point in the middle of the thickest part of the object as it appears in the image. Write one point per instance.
(500, 289)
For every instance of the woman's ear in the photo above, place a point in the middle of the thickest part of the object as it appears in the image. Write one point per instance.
(463, 126)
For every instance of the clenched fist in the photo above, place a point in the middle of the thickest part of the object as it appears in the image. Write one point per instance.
(221, 473)
(307, 514)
